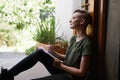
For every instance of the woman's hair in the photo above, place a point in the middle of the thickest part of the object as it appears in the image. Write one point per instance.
(85, 15)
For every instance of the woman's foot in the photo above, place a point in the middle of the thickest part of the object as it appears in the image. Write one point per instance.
(4, 75)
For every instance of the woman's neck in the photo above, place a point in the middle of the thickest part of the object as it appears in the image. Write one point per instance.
(80, 35)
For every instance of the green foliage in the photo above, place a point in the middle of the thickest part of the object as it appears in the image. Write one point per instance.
(45, 31)
(29, 50)
(23, 15)
(7, 39)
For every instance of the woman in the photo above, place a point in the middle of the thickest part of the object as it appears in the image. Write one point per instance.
(76, 60)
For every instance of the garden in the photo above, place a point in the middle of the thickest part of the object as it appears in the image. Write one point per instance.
(25, 22)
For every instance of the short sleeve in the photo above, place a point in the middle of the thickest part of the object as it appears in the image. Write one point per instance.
(87, 49)
(72, 39)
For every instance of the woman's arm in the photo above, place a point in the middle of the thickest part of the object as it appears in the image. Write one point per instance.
(84, 65)
(59, 55)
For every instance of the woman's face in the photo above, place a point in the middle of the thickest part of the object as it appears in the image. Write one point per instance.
(75, 21)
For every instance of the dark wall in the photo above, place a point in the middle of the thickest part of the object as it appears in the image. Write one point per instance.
(113, 40)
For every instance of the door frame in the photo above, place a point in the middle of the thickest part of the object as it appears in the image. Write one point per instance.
(99, 31)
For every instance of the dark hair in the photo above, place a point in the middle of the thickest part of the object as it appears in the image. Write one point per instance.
(85, 15)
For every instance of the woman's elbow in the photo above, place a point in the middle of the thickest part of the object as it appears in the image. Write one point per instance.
(82, 73)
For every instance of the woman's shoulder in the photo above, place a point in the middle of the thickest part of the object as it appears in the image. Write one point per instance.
(87, 40)
(73, 38)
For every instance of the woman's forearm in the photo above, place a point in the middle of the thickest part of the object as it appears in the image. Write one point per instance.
(81, 71)
(72, 70)
(60, 56)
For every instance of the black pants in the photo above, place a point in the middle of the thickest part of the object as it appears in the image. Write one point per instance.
(46, 60)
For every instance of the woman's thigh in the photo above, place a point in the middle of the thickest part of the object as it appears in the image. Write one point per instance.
(47, 61)
(58, 76)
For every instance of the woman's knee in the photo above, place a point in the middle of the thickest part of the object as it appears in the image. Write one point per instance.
(37, 53)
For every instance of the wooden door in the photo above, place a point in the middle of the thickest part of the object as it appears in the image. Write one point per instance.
(100, 23)
(91, 30)
(97, 30)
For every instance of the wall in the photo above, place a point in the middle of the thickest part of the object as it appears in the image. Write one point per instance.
(63, 15)
(64, 10)
(113, 40)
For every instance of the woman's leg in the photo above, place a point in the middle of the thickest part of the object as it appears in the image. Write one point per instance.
(31, 60)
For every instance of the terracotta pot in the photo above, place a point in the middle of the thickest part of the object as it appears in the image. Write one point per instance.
(58, 48)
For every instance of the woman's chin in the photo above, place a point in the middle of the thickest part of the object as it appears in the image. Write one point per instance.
(71, 27)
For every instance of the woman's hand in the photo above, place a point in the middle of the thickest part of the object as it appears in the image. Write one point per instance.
(57, 63)
(50, 49)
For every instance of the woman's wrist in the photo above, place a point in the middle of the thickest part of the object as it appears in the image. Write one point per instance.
(61, 65)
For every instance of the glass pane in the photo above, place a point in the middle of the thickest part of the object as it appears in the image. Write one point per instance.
(82, 3)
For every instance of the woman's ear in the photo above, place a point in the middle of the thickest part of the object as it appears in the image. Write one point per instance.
(82, 21)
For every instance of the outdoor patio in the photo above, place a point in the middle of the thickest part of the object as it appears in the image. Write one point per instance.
(8, 59)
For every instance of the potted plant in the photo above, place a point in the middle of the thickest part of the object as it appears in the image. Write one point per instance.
(45, 34)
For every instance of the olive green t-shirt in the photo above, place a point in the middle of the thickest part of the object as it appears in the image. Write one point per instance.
(76, 50)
